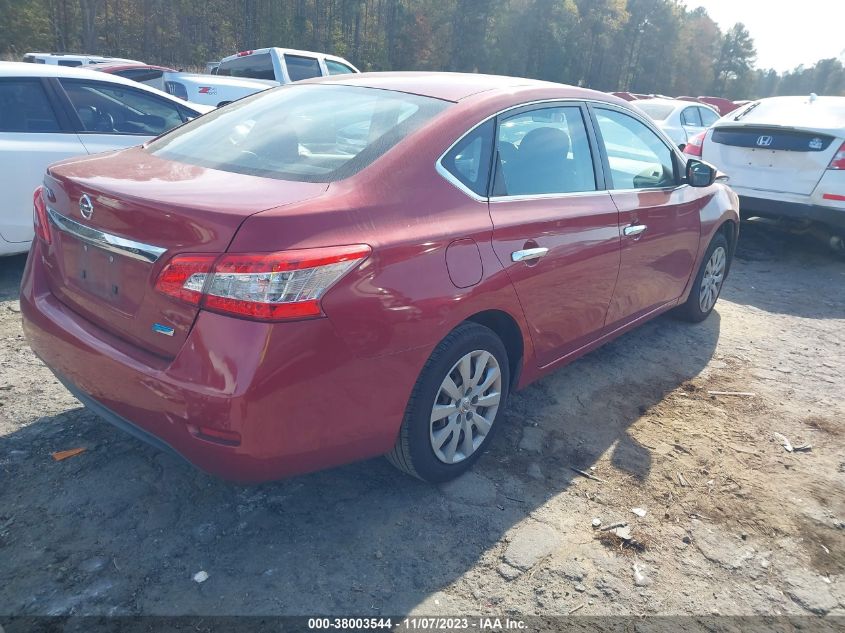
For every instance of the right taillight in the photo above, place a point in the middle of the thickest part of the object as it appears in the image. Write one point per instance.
(39, 215)
(262, 286)
(695, 145)
(838, 161)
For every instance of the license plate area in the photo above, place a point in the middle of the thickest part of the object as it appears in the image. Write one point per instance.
(95, 273)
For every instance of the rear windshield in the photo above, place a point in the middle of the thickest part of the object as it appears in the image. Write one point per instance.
(258, 66)
(656, 111)
(308, 133)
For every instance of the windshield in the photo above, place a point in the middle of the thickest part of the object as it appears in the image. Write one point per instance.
(308, 133)
(656, 111)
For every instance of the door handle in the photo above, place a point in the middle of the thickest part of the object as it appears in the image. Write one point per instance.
(528, 254)
(632, 230)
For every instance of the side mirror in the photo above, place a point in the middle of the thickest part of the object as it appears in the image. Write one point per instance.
(699, 173)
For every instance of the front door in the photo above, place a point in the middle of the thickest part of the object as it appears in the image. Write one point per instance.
(659, 217)
(554, 230)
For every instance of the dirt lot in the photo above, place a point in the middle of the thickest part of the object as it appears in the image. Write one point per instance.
(735, 524)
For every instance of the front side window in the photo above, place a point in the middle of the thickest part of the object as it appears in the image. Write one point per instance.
(73, 63)
(469, 160)
(638, 159)
(336, 68)
(24, 107)
(308, 133)
(300, 67)
(691, 117)
(115, 109)
(544, 151)
(256, 66)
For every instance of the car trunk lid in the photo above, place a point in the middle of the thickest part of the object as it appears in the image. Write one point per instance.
(104, 264)
(771, 158)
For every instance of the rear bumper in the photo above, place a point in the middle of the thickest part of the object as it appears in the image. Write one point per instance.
(298, 398)
(750, 206)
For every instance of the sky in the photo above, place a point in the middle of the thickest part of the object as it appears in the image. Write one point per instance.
(786, 32)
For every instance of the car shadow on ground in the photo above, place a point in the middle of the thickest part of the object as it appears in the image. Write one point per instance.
(771, 255)
(122, 527)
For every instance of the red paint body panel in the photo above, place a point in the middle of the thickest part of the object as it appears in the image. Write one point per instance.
(565, 294)
(301, 394)
(655, 265)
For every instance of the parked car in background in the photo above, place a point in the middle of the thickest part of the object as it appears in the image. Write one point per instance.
(72, 59)
(49, 113)
(194, 87)
(681, 120)
(720, 104)
(211, 67)
(283, 65)
(249, 72)
(212, 90)
(148, 74)
(785, 157)
(266, 299)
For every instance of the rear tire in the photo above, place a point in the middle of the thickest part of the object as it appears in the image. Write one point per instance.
(707, 285)
(455, 405)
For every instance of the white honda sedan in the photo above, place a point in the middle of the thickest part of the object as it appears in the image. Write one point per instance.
(49, 113)
(785, 157)
(681, 120)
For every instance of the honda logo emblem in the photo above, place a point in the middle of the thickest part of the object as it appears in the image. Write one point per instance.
(764, 141)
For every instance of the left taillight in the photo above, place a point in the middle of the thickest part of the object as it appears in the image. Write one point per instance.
(263, 286)
(39, 215)
(838, 161)
(695, 145)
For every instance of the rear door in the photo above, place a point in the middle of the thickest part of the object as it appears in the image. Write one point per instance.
(556, 231)
(112, 116)
(771, 158)
(33, 134)
(659, 216)
(691, 121)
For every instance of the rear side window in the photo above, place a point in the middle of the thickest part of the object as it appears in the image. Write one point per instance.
(24, 107)
(306, 133)
(708, 117)
(336, 68)
(302, 67)
(543, 151)
(469, 160)
(114, 109)
(691, 117)
(638, 159)
(257, 66)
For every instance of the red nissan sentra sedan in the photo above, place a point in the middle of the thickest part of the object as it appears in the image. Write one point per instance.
(363, 265)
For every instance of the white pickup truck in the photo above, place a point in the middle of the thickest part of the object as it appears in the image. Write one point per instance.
(249, 72)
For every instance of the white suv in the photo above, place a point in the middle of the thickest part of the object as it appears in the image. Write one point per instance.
(785, 157)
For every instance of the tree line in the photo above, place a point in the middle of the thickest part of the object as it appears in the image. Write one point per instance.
(644, 46)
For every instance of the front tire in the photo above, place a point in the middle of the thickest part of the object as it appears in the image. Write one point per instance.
(708, 282)
(455, 405)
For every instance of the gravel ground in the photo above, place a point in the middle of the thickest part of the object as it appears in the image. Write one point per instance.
(734, 523)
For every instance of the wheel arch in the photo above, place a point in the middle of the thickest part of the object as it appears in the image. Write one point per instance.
(730, 229)
(508, 330)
